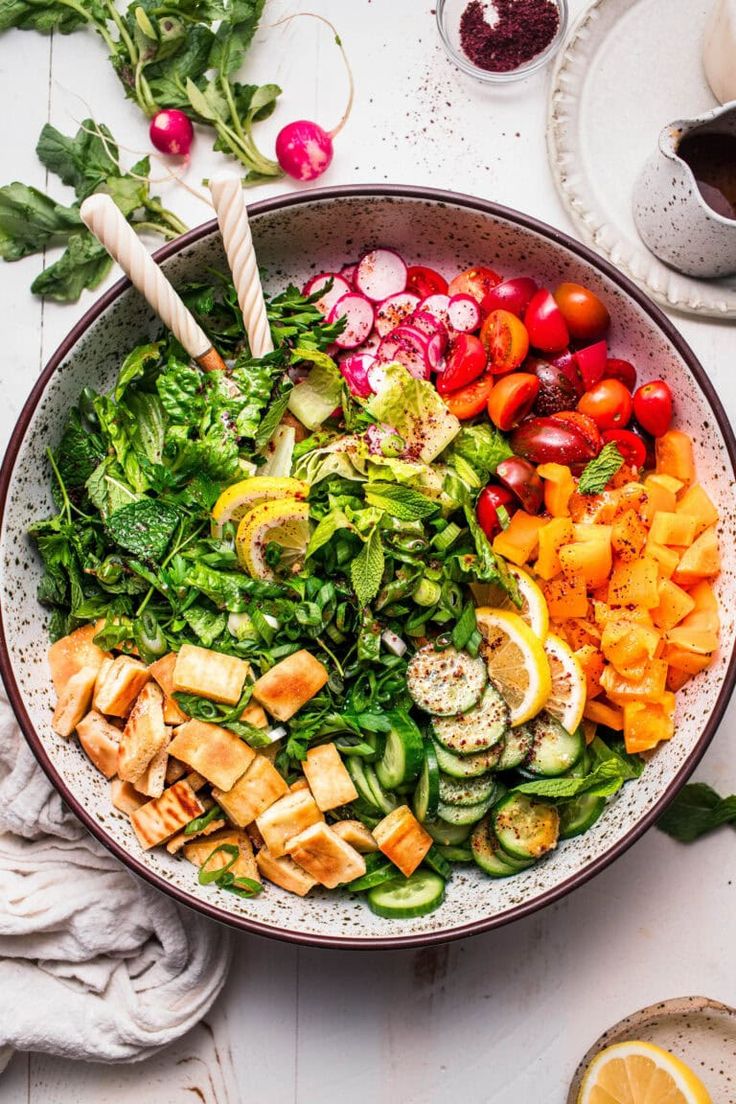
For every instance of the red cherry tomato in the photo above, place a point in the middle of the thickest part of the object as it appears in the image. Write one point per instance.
(592, 363)
(511, 295)
(469, 401)
(486, 509)
(653, 407)
(476, 282)
(520, 476)
(586, 316)
(505, 337)
(467, 360)
(608, 404)
(629, 444)
(545, 324)
(551, 440)
(512, 398)
(585, 424)
(622, 370)
(425, 281)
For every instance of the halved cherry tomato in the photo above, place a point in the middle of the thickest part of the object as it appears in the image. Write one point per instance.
(629, 444)
(653, 407)
(425, 281)
(505, 337)
(609, 404)
(486, 508)
(622, 370)
(511, 295)
(470, 400)
(551, 441)
(512, 398)
(467, 360)
(586, 316)
(591, 361)
(545, 324)
(520, 476)
(585, 424)
(476, 282)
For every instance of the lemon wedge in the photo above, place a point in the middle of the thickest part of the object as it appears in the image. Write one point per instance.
(567, 697)
(517, 662)
(640, 1073)
(235, 501)
(533, 605)
(283, 522)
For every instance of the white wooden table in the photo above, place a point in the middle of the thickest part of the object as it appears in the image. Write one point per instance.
(503, 1017)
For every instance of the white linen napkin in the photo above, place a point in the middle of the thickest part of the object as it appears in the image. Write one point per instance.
(94, 963)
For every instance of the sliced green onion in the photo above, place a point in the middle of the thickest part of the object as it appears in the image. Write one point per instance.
(465, 627)
(503, 517)
(206, 877)
(393, 642)
(428, 593)
(473, 645)
(199, 823)
(263, 625)
(442, 541)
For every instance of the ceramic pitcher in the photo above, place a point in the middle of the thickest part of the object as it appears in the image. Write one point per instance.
(670, 213)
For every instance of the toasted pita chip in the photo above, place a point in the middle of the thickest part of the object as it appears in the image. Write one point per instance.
(124, 679)
(325, 856)
(199, 851)
(402, 839)
(74, 701)
(163, 672)
(152, 781)
(175, 770)
(286, 818)
(124, 797)
(100, 740)
(144, 735)
(252, 794)
(71, 653)
(328, 778)
(285, 873)
(356, 834)
(155, 821)
(289, 685)
(212, 675)
(254, 714)
(214, 752)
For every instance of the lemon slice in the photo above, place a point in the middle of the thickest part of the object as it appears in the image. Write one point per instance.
(533, 605)
(566, 701)
(283, 522)
(517, 662)
(640, 1073)
(235, 501)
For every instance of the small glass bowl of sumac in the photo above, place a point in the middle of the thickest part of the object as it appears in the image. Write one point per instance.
(498, 41)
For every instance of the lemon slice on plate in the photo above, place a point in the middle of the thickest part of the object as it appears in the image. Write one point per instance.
(235, 501)
(517, 662)
(640, 1073)
(567, 697)
(533, 605)
(283, 522)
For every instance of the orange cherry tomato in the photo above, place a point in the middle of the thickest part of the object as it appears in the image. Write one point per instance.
(609, 404)
(512, 398)
(470, 400)
(586, 315)
(506, 340)
(585, 424)
(476, 282)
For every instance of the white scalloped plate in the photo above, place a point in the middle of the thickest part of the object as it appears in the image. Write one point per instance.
(629, 68)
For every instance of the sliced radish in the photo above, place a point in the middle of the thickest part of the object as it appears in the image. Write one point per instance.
(409, 347)
(355, 370)
(438, 306)
(463, 313)
(377, 376)
(371, 343)
(327, 301)
(347, 272)
(380, 273)
(436, 352)
(359, 314)
(392, 311)
(428, 323)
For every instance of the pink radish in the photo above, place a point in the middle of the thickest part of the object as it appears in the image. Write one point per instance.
(427, 323)
(359, 316)
(327, 301)
(408, 347)
(171, 132)
(380, 274)
(392, 311)
(355, 370)
(377, 376)
(436, 352)
(463, 313)
(438, 306)
(347, 272)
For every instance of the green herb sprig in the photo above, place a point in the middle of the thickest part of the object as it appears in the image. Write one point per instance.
(697, 810)
(596, 475)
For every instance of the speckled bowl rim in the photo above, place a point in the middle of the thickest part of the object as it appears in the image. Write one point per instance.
(280, 203)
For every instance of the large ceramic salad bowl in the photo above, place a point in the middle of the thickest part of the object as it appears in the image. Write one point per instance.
(297, 236)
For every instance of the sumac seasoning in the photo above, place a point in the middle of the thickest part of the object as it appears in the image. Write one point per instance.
(522, 29)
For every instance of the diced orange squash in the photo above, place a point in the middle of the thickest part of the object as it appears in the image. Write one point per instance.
(592, 663)
(667, 559)
(559, 485)
(552, 536)
(633, 496)
(697, 504)
(566, 598)
(682, 659)
(579, 632)
(699, 641)
(668, 482)
(584, 532)
(674, 604)
(659, 497)
(623, 477)
(603, 614)
(519, 541)
(646, 724)
(594, 509)
(649, 687)
(702, 560)
(629, 535)
(674, 453)
(672, 528)
(702, 621)
(634, 584)
(607, 715)
(589, 560)
(676, 679)
(704, 596)
(627, 646)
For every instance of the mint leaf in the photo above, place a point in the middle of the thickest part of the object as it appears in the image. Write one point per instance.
(366, 570)
(400, 502)
(326, 528)
(144, 528)
(697, 810)
(599, 472)
(605, 779)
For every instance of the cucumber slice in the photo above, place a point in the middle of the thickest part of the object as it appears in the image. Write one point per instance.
(456, 854)
(356, 770)
(578, 815)
(403, 753)
(487, 853)
(386, 802)
(372, 878)
(466, 791)
(554, 750)
(437, 862)
(467, 766)
(480, 729)
(464, 814)
(427, 793)
(449, 835)
(517, 745)
(402, 898)
(525, 828)
(445, 682)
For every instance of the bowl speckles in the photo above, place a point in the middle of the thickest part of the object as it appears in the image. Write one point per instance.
(295, 236)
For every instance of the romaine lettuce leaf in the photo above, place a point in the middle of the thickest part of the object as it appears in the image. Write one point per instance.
(414, 409)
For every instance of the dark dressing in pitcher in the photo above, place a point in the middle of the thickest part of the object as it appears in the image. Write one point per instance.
(712, 158)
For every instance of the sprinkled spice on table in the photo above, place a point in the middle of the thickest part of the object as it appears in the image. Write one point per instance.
(523, 28)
